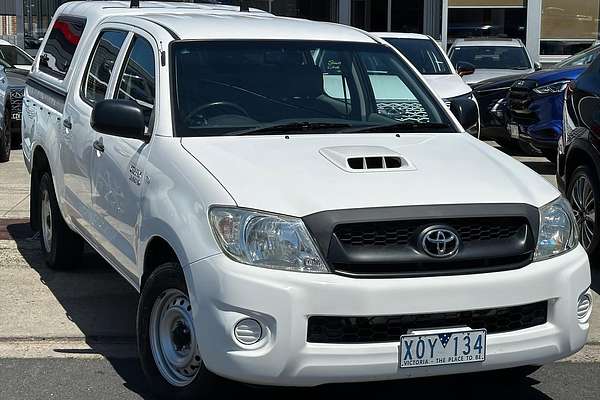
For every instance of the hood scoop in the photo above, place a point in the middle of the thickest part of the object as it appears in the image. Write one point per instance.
(366, 159)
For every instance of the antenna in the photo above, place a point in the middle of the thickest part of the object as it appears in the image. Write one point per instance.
(134, 4)
(244, 6)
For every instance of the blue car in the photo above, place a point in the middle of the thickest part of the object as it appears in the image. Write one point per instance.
(535, 103)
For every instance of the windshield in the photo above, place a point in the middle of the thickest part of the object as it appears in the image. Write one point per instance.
(582, 58)
(491, 57)
(231, 87)
(14, 56)
(423, 54)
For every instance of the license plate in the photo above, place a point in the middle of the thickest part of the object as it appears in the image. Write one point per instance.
(16, 116)
(442, 347)
(514, 131)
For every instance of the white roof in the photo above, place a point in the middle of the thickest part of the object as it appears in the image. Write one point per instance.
(401, 35)
(4, 43)
(211, 21)
(488, 42)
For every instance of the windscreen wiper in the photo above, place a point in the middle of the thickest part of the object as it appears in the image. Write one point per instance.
(296, 127)
(405, 127)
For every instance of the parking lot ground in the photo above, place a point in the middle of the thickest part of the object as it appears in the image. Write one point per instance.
(71, 335)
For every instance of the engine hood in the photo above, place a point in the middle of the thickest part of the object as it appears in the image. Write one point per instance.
(447, 86)
(552, 75)
(303, 174)
(16, 77)
(483, 74)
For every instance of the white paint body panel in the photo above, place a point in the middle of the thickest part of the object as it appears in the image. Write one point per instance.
(182, 178)
(447, 85)
(282, 301)
(277, 174)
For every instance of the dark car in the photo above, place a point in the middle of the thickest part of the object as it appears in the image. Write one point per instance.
(492, 96)
(578, 161)
(12, 86)
(535, 103)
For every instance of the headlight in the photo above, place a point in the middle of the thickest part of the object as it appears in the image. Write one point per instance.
(265, 240)
(556, 87)
(558, 232)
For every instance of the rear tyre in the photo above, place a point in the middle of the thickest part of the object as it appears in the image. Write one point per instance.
(5, 139)
(583, 192)
(166, 336)
(61, 246)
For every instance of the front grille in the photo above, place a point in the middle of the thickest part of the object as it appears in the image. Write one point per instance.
(401, 232)
(378, 329)
(16, 100)
(519, 100)
(392, 248)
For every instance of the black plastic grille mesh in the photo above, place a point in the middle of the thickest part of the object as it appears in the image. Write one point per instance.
(399, 233)
(390, 328)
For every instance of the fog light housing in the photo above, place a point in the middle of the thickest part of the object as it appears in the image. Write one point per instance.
(584, 307)
(248, 331)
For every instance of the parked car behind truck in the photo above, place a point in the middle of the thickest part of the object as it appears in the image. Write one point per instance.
(282, 231)
(535, 103)
(430, 60)
(12, 86)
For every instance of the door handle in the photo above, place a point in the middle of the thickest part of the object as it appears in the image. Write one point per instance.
(67, 123)
(98, 146)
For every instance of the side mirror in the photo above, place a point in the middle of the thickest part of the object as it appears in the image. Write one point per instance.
(466, 112)
(465, 68)
(122, 118)
(537, 66)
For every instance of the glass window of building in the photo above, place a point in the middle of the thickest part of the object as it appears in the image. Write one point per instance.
(318, 10)
(481, 18)
(568, 26)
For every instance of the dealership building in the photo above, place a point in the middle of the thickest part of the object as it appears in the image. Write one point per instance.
(551, 29)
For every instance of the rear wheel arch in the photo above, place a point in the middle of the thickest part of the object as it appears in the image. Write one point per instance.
(39, 165)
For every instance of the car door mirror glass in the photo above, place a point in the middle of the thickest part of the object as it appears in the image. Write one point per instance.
(465, 112)
(122, 118)
(465, 68)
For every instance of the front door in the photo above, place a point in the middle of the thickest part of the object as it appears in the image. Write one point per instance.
(118, 163)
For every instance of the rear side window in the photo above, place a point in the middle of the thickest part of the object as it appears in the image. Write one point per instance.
(138, 78)
(62, 42)
(100, 67)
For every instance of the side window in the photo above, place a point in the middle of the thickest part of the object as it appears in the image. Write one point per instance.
(138, 78)
(62, 42)
(100, 67)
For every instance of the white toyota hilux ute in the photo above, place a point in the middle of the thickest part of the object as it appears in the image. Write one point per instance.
(294, 204)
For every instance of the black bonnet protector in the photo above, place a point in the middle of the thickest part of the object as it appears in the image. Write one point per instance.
(388, 241)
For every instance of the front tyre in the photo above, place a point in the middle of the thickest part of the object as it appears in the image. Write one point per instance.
(61, 246)
(583, 191)
(166, 335)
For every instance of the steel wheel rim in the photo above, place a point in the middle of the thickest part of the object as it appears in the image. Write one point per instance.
(584, 209)
(46, 213)
(172, 338)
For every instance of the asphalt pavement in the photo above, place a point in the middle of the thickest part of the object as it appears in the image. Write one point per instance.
(71, 335)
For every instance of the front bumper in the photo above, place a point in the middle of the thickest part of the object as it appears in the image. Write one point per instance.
(226, 292)
(542, 125)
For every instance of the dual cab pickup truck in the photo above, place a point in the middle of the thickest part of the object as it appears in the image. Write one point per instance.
(293, 202)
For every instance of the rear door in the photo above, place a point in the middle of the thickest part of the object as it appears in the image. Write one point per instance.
(118, 169)
(78, 151)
